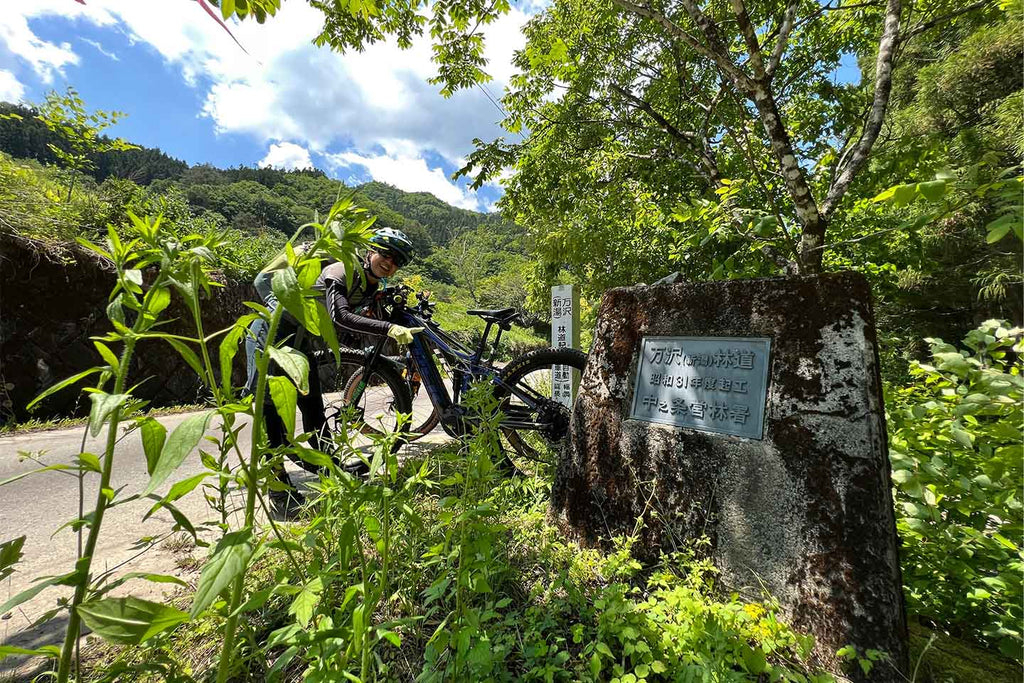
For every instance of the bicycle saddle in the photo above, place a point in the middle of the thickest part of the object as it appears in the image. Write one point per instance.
(498, 315)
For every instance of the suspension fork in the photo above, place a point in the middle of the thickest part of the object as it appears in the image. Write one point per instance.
(371, 361)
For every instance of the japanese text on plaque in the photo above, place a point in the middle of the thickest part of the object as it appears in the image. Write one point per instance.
(704, 383)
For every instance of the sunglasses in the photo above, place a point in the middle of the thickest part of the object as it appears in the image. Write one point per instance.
(396, 258)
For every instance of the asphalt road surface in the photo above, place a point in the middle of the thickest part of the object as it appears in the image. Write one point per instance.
(38, 505)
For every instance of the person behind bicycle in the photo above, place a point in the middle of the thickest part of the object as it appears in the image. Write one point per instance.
(390, 249)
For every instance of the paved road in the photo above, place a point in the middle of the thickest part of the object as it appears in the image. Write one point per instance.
(38, 505)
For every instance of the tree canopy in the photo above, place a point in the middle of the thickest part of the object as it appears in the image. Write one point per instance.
(723, 138)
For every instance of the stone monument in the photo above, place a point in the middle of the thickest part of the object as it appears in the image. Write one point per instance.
(750, 412)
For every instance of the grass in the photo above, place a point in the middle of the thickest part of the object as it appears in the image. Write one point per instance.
(468, 328)
(35, 425)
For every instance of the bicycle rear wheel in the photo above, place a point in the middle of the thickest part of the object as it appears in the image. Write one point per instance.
(540, 423)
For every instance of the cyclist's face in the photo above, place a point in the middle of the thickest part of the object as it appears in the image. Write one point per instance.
(382, 264)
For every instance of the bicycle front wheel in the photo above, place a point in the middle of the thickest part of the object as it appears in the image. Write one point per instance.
(424, 416)
(537, 423)
(376, 411)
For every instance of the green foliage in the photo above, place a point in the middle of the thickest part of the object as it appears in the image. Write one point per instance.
(129, 619)
(32, 205)
(31, 202)
(468, 330)
(257, 9)
(955, 447)
(942, 253)
(79, 132)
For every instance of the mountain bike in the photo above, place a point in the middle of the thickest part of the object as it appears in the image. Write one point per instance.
(431, 378)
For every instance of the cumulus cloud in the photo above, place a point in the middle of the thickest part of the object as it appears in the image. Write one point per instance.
(287, 89)
(10, 89)
(410, 173)
(45, 58)
(322, 99)
(287, 155)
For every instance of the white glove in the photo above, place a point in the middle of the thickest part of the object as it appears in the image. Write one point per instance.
(403, 335)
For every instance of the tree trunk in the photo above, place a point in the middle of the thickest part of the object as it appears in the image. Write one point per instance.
(812, 238)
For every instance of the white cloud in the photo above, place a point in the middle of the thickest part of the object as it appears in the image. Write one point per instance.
(100, 49)
(10, 89)
(287, 89)
(287, 155)
(409, 173)
(45, 58)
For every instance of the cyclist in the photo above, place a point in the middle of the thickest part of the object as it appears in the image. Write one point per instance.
(390, 249)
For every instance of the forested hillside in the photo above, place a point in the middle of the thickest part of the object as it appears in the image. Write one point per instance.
(467, 258)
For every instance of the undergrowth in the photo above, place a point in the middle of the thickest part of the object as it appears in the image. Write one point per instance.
(482, 587)
(45, 425)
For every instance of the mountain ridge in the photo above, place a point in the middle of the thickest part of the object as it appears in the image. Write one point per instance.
(251, 199)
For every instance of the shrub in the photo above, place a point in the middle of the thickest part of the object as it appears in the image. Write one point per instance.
(955, 446)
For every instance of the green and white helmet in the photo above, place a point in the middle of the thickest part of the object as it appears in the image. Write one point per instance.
(395, 242)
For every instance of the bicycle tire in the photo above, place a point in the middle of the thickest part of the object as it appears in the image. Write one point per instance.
(539, 364)
(387, 394)
(424, 417)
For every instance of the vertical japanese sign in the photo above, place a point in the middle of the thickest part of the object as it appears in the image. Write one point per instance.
(565, 333)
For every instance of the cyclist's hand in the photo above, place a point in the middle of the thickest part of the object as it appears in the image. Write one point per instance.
(403, 335)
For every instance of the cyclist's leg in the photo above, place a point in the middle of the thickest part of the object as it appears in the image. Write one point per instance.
(311, 406)
(255, 338)
(276, 437)
(275, 426)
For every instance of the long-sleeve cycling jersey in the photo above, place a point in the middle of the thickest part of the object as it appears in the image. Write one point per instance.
(342, 302)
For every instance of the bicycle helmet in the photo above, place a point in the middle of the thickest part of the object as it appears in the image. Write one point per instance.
(395, 242)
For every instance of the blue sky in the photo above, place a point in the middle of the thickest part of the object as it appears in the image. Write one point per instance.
(189, 90)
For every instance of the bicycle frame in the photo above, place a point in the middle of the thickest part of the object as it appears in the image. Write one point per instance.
(472, 368)
(468, 365)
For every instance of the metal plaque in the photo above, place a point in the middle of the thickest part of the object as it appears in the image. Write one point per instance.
(714, 384)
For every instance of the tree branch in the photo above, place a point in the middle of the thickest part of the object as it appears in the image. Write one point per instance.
(714, 50)
(921, 28)
(644, 106)
(750, 38)
(883, 88)
(788, 19)
(689, 139)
